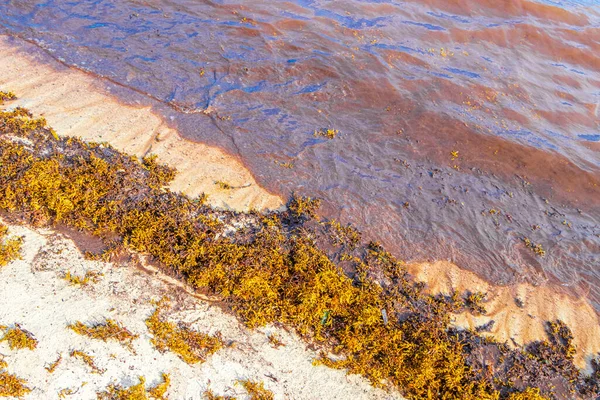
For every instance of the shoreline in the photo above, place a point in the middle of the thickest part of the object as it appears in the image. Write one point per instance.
(76, 104)
(175, 151)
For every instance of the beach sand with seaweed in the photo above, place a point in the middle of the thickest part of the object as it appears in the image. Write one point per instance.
(76, 105)
(37, 296)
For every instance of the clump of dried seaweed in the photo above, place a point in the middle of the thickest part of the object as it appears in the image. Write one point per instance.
(11, 385)
(190, 345)
(18, 338)
(9, 246)
(256, 390)
(105, 331)
(137, 392)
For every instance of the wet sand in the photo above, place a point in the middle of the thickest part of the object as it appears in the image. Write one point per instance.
(519, 312)
(76, 104)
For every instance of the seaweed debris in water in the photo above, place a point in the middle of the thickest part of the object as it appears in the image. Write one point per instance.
(281, 267)
(328, 133)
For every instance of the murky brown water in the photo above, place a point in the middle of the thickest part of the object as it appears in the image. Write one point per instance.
(465, 126)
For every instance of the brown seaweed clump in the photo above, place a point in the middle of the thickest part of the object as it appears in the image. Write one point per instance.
(9, 247)
(6, 96)
(328, 133)
(76, 280)
(87, 360)
(191, 346)
(137, 392)
(355, 301)
(52, 367)
(18, 338)
(11, 385)
(210, 395)
(105, 331)
(256, 390)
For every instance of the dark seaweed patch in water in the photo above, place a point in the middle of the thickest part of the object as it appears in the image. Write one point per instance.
(354, 300)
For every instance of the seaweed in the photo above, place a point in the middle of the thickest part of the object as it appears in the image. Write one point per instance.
(63, 393)
(256, 390)
(535, 247)
(88, 360)
(12, 386)
(9, 247)
(223, 185)
(192, 346)
(288, 165)
(344, 235)
(275, 341)
(527, 394)
(136, 392)
(369, 317)
(108, 330)
(159, 391)
(18, 338)
(303, 208)
(473, 303)
(75, 280)
(210, 395)
(328, 133)
(6, 96)
(158, 173)
(52, 367)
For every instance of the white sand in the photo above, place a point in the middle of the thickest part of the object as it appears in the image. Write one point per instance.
(33, 294)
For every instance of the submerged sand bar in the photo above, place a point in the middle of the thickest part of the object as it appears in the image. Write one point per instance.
(77, 104)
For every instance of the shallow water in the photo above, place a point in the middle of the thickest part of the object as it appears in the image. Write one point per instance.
(465, 126)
